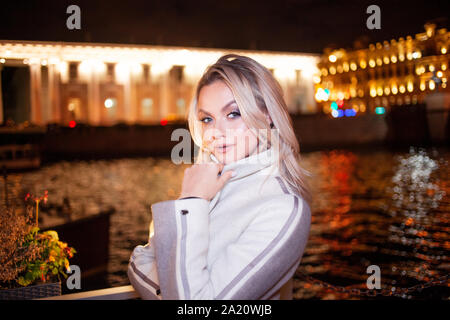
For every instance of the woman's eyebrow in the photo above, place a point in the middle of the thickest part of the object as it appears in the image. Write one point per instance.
(223, 108)
(227, 105)
(203, 111)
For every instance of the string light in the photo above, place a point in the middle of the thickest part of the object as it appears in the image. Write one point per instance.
(394, 89)
(422, 86)
(431, 85)
(345, 66)
(380, 91)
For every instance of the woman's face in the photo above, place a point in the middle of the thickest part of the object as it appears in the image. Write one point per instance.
(225, 134)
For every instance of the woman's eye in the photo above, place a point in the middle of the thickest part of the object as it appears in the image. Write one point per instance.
(206, 120)
(234, 114)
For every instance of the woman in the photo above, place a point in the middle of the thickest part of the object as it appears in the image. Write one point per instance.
(241, 224)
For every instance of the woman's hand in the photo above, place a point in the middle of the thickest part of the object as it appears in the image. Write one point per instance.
(202, 180)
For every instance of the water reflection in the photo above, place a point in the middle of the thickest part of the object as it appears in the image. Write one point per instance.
(378, 208)
(419, 223)
(383, 208)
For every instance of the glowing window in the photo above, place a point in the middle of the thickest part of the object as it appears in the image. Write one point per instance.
(181, 106)
(111, 107)
(74, 108)
(147, 107)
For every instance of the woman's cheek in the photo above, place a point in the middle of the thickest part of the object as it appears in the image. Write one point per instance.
(238, 124)
(246, 142)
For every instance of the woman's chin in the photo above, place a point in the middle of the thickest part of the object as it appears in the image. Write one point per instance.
(227, 157)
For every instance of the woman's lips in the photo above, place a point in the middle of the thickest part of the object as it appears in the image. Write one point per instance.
(223, 148)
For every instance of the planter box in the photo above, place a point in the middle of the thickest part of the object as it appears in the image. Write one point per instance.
(32, 292)
(81, 234)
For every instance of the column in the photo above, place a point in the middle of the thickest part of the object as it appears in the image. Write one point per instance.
(310, 103)
(35, 85)
(126, 116)
(45, 98)
(53, 95)
(134, 102)
(94, 111)
(164, 97)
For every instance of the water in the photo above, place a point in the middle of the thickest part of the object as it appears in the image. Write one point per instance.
(384, 208)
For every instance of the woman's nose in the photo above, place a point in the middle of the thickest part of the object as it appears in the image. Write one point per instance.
(220, 127)
(215, 132)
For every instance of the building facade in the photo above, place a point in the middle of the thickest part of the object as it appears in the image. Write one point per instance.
(385, 75)
(105, 84)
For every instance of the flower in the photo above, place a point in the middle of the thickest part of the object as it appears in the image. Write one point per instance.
(62, 245)
(52, 256)
(68, 251)
(66, 264)
(45, 197)
(27, 255)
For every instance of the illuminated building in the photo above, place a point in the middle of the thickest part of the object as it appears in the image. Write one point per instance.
(103, 84)
(385, 75)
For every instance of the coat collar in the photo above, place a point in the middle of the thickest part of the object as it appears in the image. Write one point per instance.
(251, 164)
(248, 166)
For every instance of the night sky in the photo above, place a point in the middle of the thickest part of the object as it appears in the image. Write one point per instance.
(283, 25)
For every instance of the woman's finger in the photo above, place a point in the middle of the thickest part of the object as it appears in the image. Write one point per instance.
(219, 168)
(224, 178)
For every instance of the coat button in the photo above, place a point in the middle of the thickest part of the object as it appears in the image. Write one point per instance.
(184, 211)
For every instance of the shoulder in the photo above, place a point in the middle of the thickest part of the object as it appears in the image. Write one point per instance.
(278, 202)
(282, 222)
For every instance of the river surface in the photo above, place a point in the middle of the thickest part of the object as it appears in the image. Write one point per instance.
(380, 207)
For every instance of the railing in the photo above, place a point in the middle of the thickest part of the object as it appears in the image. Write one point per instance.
(117, 293)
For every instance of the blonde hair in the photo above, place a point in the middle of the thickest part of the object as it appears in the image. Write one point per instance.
(257, 94)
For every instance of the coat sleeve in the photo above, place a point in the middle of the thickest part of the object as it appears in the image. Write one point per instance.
(265, 256)
(142, 271)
